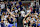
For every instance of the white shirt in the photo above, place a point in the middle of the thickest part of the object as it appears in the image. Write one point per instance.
(22, 13)
(28, 11)
(24, 21)
(16, 11)
(19, 9)
(37, 3)
(31, 21)
(13, 3)
(2, 6)
(36, 13)
(6, 16)
(32, 4)
(6, 23)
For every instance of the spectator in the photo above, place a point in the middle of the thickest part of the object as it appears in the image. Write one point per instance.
(14, 13)
(2, 23)
(34, 25)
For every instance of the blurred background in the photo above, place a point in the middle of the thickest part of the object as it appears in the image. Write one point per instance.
(19, 8)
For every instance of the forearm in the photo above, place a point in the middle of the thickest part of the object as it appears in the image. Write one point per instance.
(10, 13)
(27, 14)
(23, 22)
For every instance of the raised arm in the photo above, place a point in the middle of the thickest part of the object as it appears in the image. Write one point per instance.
(27, 14)
(10, 12)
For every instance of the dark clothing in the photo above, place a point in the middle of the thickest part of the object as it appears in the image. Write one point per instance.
(21, 8)
(28, 23)
(20, 3)
(20, 21)
(36, 10)
(34, 25)
(2, 25)
(10, 21)
(33, 10)
(0, 18)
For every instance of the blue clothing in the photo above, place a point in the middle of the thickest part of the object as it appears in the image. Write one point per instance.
(10, 25)
(21, 9)
(16, 24)
(0, 19)
(20, 3)
(17, 7)
(2, 25)
(11, 19)
(39, 24)
(34, 25)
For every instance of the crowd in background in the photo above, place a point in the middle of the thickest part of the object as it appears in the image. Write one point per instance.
(17, 0)
(18, 9)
